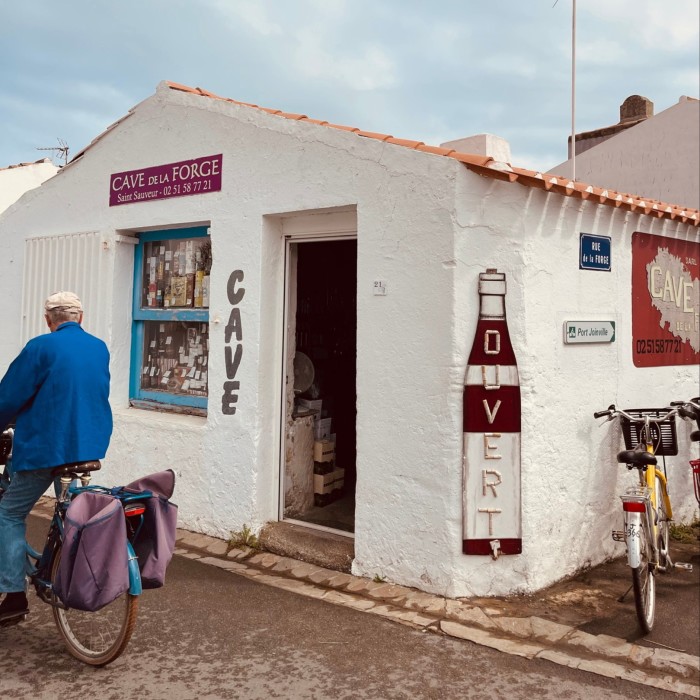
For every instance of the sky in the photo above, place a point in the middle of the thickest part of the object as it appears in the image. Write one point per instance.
(428, 71)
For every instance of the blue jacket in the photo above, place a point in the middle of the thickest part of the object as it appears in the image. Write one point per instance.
(57, 392)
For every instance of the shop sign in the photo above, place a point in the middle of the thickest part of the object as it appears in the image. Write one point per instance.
(491, 431)
(594, 252)
(233, 355)
(665, 301)
(182, 179)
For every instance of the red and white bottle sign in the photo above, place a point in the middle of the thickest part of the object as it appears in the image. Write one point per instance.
(491, 520)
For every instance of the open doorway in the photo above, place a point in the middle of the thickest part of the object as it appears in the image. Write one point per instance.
(320, 438)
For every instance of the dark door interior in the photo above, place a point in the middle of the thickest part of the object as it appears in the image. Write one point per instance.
(327, 333)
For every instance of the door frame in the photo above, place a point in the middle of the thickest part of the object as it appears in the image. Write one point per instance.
(293, 238)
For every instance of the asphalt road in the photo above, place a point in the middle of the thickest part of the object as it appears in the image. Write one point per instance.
(212, 635)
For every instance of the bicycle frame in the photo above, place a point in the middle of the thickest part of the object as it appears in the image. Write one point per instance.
(97, 634)
(644, 501)
(648, 433)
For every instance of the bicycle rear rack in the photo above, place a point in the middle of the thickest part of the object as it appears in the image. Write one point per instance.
(695, 465)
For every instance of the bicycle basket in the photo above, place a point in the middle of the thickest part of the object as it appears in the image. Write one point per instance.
(663, 434)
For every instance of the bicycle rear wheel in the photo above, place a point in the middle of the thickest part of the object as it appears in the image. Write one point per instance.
(96, 638)
(644, 584)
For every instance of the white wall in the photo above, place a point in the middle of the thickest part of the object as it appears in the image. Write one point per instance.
(658, 158)
(426, 226)
(570, 478)
(18, 179)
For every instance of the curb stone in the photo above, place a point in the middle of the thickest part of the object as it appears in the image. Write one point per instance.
(530, 637)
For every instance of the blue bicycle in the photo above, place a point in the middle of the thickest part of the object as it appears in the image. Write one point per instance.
(95, 638)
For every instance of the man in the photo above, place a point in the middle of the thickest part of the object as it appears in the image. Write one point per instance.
(57, 393)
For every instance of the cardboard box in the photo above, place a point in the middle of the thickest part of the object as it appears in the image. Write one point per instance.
(324, 451)
(327, 483)
(311, 405)
(322, 428)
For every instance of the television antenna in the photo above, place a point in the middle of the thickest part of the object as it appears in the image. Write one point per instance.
(61, 150)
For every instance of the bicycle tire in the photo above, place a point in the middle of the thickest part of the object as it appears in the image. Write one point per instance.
(644, 584)
(96, 638)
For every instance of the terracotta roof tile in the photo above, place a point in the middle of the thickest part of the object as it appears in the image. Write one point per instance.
(354, 129)
(295, 117)
(407, 143)
(437, 150)
(374, 135)
(487, 167)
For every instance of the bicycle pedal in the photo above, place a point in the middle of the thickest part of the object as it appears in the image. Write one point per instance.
(13, 621)
(683, 565)
(618, 535)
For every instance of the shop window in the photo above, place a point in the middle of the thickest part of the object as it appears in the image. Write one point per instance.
(170, 339)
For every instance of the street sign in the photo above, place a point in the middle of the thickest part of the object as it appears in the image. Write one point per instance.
(576, 332)
(594, 252)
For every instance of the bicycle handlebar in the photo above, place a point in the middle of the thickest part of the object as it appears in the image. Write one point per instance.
(612, 412)
(689, 410)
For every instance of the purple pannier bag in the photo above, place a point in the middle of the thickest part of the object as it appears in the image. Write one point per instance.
(93, 570)
(155, 542)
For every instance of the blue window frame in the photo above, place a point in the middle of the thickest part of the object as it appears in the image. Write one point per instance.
(170, 335)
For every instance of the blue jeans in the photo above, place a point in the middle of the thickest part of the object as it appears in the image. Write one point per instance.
(16, 503)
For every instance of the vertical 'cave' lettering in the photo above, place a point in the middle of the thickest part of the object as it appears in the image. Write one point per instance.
(232, 358)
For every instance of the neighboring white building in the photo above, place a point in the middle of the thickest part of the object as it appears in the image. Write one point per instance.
(214, 243)
(15, 180)
(656, 156)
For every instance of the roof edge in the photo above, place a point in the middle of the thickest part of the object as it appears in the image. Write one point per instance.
(487, 167)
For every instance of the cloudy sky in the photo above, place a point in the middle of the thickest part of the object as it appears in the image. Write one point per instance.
(430, 71)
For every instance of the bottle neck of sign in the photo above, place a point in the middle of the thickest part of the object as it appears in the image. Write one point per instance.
(492, 294)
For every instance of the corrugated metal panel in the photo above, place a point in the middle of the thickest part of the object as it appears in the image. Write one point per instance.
(73, 262)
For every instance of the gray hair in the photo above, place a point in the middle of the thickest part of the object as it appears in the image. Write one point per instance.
(61, 314)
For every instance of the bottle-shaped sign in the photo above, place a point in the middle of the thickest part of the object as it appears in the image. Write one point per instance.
(491, 471)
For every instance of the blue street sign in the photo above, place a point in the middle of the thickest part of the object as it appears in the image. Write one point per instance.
(594, 252)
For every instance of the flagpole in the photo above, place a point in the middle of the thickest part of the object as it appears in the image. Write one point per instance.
(573, 91)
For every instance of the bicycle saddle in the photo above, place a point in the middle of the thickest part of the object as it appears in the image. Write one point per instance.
(76, 468)
(636, 458)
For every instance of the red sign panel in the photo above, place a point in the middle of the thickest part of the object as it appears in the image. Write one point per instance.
(188, 177)
(665, 301)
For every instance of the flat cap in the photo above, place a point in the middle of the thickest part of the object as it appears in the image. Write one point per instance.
(63, 300)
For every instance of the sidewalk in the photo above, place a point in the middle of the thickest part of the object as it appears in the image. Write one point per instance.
(503, 624)
(548, 625)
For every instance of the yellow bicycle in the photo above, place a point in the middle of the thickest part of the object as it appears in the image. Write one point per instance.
(649, 433)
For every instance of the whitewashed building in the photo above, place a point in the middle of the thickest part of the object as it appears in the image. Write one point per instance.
(15, 180)
(655, 154)
(238, 259)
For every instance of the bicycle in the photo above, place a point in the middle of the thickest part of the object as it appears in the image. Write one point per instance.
(690, 410)
(95, 638)
(646, 506)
